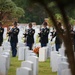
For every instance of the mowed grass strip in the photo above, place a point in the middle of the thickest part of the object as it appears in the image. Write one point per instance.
(44, 67)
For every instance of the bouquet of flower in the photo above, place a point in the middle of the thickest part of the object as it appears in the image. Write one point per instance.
(36, 50)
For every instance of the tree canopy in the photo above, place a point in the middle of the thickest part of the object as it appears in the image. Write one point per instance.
(31, 10)
(8, 8)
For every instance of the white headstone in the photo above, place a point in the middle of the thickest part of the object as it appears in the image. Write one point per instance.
(66, 72)
(3, 65)
(42, 54)
(21, 53)
(34, 59)
(62, 66)
(24, 71)
(7, 47)
(52, 58)
(64, 59)
(5, 32)
(49, 49)
(8, 59)
(28, 64)
(1, 49)
(62, 51)
(20, 44)
(54, 61)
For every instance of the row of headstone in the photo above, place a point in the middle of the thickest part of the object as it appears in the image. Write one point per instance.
(28, 67)
(59, 61)
(30, 64)
(4, 59)
(24, 52)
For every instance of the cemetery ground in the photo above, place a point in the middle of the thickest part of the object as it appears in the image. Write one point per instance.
(44, 67)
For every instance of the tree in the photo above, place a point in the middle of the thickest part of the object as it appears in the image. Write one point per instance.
(61, 4)
(8, 8)
(32, 14)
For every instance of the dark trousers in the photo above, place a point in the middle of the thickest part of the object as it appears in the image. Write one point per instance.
(30, 45)
(57, 47)
(0, 43)
(13, 47)
(43, 45)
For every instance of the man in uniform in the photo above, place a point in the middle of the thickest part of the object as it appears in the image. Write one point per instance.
(29, 35)
(1, 33)
(44, 35)
(13, 38)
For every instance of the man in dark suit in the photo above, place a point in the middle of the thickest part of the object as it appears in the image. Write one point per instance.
(29, 35)
(13, 38)
(44, 35)
(1, 33)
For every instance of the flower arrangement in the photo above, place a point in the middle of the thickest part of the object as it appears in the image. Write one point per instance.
(36, 50)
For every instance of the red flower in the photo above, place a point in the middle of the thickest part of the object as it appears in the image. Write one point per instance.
(36, 50)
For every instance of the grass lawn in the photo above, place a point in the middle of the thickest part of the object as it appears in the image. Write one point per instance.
(44, 67)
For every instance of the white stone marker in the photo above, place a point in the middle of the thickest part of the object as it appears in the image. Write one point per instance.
(1, 49)
(64, 59)
(27, 52)
(21, 53)
(20, 44)
(49, 50)
(66, 72)
(6, 44)
(3, 65)
(53, 60)
(42, 54)
(58, 61)
(62, 66)
(34, 59)
(7, 48)
(28, 64)
(23, 71)
(46, 51)
(8, 59)
(5, 32)
(62, 51)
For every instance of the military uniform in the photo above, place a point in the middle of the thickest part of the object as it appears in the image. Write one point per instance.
(30, 37)
(1, 35)
(44, 36)
(13, 38)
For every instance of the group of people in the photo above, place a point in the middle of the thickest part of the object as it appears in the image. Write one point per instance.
(29, 35)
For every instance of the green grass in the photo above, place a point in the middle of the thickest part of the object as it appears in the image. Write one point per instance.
(14, 64)
(44, 67)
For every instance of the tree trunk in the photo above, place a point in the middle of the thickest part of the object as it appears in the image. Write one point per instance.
(70, 54)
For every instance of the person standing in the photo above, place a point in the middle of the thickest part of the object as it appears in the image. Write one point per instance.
(29, 35)
(58, 40)
(1, 34)
(13, 38)
(44, 35)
